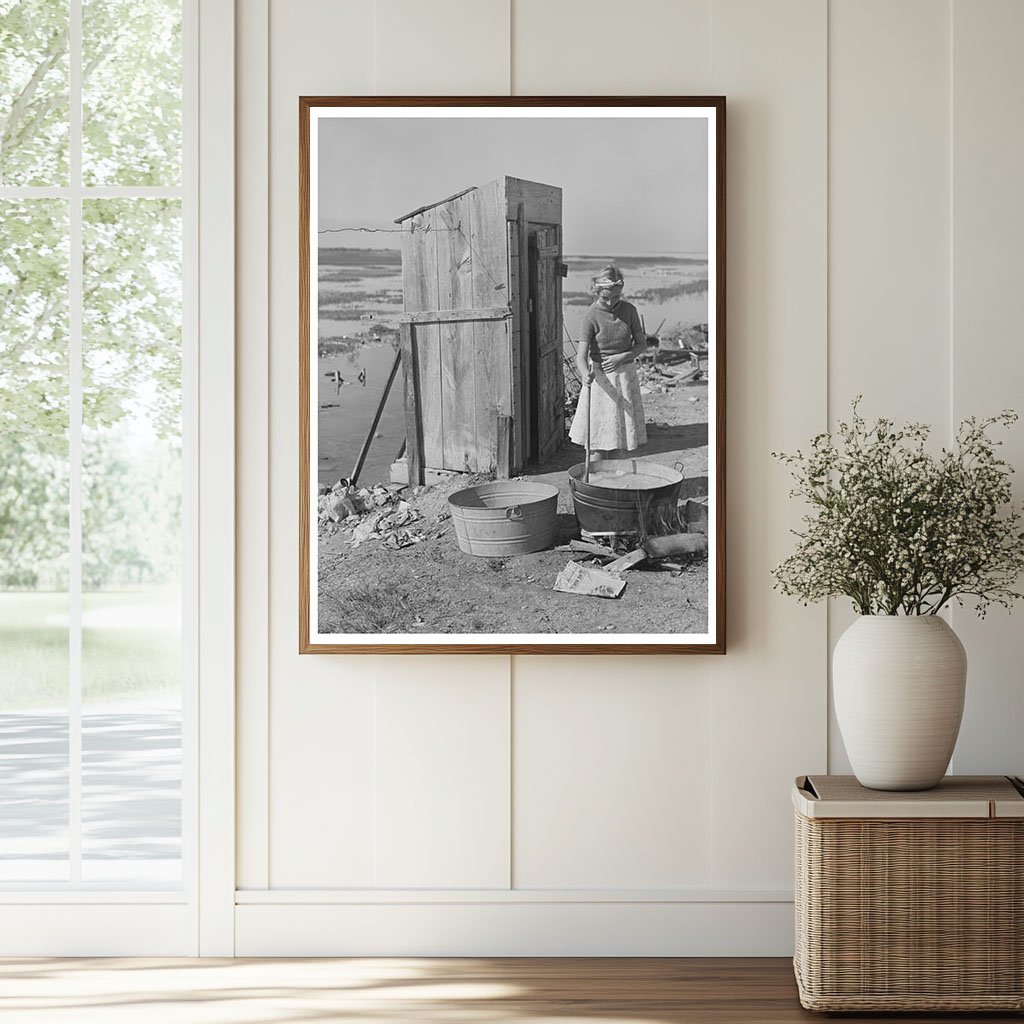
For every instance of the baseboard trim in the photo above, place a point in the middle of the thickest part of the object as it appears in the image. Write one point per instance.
(349, 897)
(515, 928)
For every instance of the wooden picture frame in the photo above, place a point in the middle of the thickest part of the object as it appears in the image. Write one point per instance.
(474, 373)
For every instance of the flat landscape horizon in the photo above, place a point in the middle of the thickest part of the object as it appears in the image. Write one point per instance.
(360, 289)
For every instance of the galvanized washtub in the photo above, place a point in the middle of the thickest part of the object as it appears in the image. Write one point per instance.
(508, 517)
(626, 496)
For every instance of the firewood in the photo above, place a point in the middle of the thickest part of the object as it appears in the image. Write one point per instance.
(676, 544)
(626, 561)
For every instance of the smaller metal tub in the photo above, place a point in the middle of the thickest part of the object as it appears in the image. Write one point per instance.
(508, 517)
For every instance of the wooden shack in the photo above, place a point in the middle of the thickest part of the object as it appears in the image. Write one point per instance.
(482, 331)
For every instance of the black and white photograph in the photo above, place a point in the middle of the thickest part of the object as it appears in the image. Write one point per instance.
(511, 351)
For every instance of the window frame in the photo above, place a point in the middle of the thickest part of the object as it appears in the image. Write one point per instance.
(92, 918)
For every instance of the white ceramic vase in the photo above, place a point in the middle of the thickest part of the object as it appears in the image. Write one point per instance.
(898, 684)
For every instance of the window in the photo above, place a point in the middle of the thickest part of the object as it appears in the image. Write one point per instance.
(96, 476)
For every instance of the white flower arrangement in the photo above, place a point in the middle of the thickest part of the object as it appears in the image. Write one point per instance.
(899, 530)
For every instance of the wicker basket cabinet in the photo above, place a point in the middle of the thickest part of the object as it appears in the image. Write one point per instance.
(910, 901)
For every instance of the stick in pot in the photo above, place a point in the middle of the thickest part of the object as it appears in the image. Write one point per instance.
(586, 466)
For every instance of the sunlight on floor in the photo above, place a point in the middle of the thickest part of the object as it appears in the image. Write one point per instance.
(165, 991)
(125, 991)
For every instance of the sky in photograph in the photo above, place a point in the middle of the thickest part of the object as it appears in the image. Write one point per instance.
(630, 186)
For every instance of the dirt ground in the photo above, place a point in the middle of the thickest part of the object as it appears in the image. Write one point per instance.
(430, 586)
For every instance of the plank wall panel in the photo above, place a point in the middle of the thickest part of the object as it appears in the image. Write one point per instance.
(597, 47)
(888, 224)
(442, 775)
(455, 291)
(442, 47)
(988, 351)
(517, 333)
(442, 722)
(549, 348)
(323, 783)
(252, 392)
(522, 370)
(559, 328)
(611, 776)
(605, 804)
(421, 276)
(541, 204)
(889, 209)
(768, 693)
(687, 759)
(318, 706)
(489, 267)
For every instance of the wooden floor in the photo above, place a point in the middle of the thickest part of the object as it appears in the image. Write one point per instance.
(382, 991)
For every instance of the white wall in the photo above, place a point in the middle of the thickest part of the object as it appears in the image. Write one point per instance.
(613, 805)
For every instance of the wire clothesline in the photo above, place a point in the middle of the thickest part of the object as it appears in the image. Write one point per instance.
(386, 231)
(389, 231)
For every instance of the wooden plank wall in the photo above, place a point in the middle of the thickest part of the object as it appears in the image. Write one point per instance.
(472, 252)
(550, 400)
(542, 204)
(516, 340)
(529, 205)
(452, 231)
(491, 355)
(419, 279)
(545, 377)
(413, 432)
(559, 334)
(524, 433)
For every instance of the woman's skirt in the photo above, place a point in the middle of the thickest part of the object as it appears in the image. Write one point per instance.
(617, 420)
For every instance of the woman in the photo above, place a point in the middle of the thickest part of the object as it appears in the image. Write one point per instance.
(611, 339)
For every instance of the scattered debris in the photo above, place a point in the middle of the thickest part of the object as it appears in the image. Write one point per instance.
(403, 538)
(365, 530)
(587, 546)
(372, 513)
(575, 579)
(627, 561)
(656, 379)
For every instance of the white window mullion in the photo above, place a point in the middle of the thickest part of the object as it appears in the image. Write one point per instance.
(190, 454)
(75, 301)
(34, 192)
(168, 908)
(95, 191)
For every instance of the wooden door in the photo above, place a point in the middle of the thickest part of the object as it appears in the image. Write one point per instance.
(547, 388)
(439, 401)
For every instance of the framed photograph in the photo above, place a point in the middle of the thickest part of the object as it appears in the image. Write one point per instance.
(512, 374)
